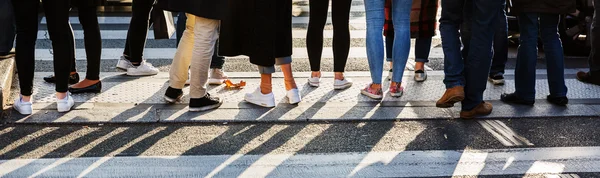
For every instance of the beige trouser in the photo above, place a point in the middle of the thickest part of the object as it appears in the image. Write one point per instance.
(196, 48)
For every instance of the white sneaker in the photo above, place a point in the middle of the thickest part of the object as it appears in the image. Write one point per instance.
(217, 77)
(22, 106)
(264, 100)
(342, 84)
(144, 69)
(65, 104)
(293, 96)
(124, 64)
(314, 81)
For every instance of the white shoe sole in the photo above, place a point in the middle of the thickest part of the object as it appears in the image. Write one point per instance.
(215, 81)
(496, 82)
(260, 103)
(314, 84)
(171, 100)
(342, 87)
(206, 108)
(372, 96)
(397, 95)
(23, 112)
(64, 109)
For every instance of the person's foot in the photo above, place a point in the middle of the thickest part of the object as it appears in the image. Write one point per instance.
(497, 79)
(451, 96)
(73, 78)
(87, 88)
(372, 93)
(482, 109)
(515, 99)
(124, 63)
(173, 95)
(420, 75)
(396, 91)
(293, 96)
(558, 100)
(23, 107)
(315, 79)
(342, 84)
(144, 69)
(258, 98)
(586, 77)
(65, 104)
(6, 55)
(217, 77)
(205, 103)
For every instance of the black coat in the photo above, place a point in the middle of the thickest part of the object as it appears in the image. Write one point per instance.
(211, 9)
(544, 6)
(260, 29)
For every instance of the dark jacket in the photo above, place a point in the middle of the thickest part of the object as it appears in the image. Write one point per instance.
(211, 9)
(544, 6)
(260, 29)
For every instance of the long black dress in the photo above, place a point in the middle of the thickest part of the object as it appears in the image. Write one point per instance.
(260, 29)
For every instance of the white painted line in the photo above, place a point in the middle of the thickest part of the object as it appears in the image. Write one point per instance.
(122, 34)
(397, 164)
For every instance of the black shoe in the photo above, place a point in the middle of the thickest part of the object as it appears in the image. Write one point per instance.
(95, 88)
(6, 55)
(497, 79)
(586, 77)
(205, 103)
(73, 79)
(173, 95)
(558, 100)
(513, 98)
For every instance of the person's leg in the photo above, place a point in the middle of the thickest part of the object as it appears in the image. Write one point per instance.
(138, 30)
(93, 44)
(422, 49)
(527, 56)
(286, 68)
(266, 79)
(57, 15)
(375, 17)
(7, 30)
(500, 45)
(478, 62)
(217, 61)
(450, 22)
(206, 33)
(554, 54)
(593, 75)
(340, 11)
(401, 18)
(26, 18)
(178, 73)
(181, 19)
(314, 35)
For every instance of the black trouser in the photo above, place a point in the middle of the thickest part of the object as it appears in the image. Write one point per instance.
(138, 30)
(57, 17)
(594, 58)
(93, 42)
(341, 33)
(7, 29)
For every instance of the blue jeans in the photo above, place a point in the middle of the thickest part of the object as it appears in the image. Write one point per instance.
(450, 23)
(375, 16)
(547, 24)
(7, 29)
(477, 65)
(217, 61)
(500, 40)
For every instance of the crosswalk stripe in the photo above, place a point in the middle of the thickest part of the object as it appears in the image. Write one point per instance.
(427, 163)
(122, 34)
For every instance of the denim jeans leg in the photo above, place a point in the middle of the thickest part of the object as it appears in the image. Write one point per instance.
(375, 17)
(527, 56)
(500, 45)
(401, 19)
(450, 22)
(554, 54)
(594, 58)
(7, 30)
(478, 62)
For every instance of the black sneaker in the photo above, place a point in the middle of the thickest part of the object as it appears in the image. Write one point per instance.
(560, 100)
(497, 79)
(513, 98)
(205, 103)
(73, 79)
(173, 95)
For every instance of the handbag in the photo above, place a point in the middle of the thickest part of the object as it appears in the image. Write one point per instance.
(163, 24)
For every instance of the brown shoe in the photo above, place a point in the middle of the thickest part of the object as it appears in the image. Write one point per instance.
(586, 77)
(482, 109)
(451, 96)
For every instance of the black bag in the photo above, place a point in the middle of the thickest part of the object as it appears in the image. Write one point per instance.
(163, 23)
